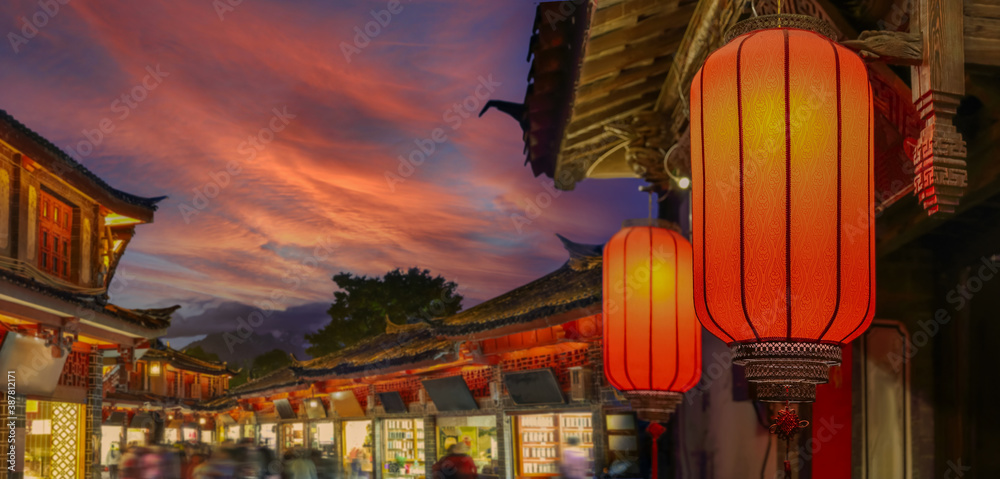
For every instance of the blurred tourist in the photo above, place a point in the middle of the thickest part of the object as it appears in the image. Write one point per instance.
(455, 465)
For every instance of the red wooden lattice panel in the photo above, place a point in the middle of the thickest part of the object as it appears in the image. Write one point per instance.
(478, 381)
(75, 371)
(408, 389)
(559, 362)
(361, 392)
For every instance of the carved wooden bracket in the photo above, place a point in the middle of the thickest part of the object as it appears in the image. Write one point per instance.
(938, 85)
(897, 48)
(648, 138)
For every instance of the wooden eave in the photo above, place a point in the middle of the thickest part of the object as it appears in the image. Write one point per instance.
(48, 156)
(629, 52)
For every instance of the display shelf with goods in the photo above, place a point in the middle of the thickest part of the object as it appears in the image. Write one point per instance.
(404, 447)
(543, 439)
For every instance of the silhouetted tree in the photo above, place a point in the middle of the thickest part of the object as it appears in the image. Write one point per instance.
(360, 308)
(270, 361)
(199, 353)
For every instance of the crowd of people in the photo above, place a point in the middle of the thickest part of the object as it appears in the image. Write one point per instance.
(228, 460)
(244, 460)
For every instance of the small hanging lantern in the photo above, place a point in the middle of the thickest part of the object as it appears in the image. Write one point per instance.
(652, 340)
(783, 220)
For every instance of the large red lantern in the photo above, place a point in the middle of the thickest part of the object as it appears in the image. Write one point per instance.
(652, 339)
(781, 147)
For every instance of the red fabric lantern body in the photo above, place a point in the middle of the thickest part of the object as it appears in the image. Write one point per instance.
(782, 165)
(652, 339)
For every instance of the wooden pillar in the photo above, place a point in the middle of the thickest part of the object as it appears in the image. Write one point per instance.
(938, 86)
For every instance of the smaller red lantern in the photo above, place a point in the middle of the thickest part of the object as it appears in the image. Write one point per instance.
(652, 338)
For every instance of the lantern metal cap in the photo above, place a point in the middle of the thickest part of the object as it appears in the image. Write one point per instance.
(654, 406)
(784, 20)
(784, 370)
(654, 222)
(785, 392)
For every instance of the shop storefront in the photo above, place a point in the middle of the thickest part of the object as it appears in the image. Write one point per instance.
(172, 431)
(542, 439)
(357, 449)
(136, 436)
(293, 435)
(111, 439)
(54, 439)
(190, 432)
(402, 448)
(233, 433)
(322, 438)
(139, 429)
(250, 432)
(477, 433)
(269, 435)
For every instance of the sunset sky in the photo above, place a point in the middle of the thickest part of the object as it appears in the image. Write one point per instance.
(322, 180)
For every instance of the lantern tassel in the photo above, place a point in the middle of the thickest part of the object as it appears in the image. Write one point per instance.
(655, 430)
(786, 424)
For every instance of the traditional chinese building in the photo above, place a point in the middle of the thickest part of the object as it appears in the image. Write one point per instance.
(608, 98)
(63, 231)
(156, 400)
(513, 377)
